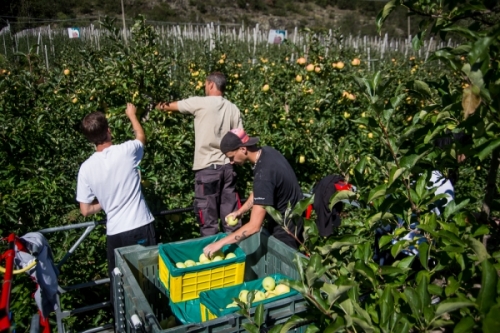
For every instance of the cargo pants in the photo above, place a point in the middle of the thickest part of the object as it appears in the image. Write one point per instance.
(215, 197)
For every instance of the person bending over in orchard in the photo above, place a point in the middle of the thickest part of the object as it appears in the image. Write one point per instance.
(109, 180)
(215, 180)
(275, 185)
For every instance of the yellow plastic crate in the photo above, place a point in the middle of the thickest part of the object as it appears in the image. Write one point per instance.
(183, 284)
(206, 314)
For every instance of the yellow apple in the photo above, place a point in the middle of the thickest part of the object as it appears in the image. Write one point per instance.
(180, 265)
(203, 258)
(340, 65)
(317, 69)
(310, 68)
(230, 255)
(269, 283)
(302, 159)
(370, 135)
(232, 305)
(281, 289)
(243, 295)
(298, 78)
(270, 294)
(259, 296)
(265, 88)
(189, 263)
(347, 115)
(67, 71)
(231, 221)
(355, 62)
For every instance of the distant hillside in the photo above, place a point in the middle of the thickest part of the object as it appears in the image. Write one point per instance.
(349, 16)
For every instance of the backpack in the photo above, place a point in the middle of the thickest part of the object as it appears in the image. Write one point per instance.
(323, 191)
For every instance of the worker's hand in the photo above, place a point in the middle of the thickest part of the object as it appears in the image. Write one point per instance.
(130, 110)
(210, 249)
(161, 106)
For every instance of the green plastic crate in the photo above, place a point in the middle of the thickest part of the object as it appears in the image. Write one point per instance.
(213, 302)
(141, 295)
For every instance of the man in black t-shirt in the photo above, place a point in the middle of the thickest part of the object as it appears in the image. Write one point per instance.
(275, 185)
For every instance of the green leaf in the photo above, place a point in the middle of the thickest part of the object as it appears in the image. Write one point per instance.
(259, 315)
(398, 247)
(296, 320)
(479, 249)
(452, 208)
(480, 50)
(310, 329)
(384, 13)
(394, 174)
(363, 323)
(423, 251)
(421, 185)
(423, 279)
(341, 195)
(334, 292)
(378, 217)
(413, 300)
(422, 88)
(336, 326)
(450, 306)
(250, 327)
(464, 325)
(302, 205)
(409, 161)
(364, 270)
(275, 214)
(452, 286)
(386, 239)
(488, 292)
(491, 322)
(377, 192)
(386, 304)
(489, 149)
(482, 230)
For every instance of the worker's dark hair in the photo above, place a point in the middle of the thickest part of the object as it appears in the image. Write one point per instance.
(219, 79)
(95, 127)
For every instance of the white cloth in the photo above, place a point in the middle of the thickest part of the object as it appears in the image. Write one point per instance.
(112, 177)
(44, 273)
(443, 186)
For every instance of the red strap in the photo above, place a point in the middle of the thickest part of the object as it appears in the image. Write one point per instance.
(342, 186)
(308, 212)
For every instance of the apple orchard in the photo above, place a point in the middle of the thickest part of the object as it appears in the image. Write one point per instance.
(327, 112)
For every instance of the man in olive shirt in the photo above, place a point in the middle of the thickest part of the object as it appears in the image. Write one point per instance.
(215, 179)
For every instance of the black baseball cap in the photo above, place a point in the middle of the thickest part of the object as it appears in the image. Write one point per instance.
(235, 139)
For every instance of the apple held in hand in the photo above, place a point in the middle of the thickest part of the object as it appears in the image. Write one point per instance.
(231, 221)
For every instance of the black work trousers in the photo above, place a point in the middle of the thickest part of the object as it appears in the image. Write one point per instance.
(215, 197)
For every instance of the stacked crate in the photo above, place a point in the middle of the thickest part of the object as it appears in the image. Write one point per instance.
(143, 297)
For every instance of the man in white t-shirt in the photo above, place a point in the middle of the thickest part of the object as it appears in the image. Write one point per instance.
(215, 180)
(109, 180)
